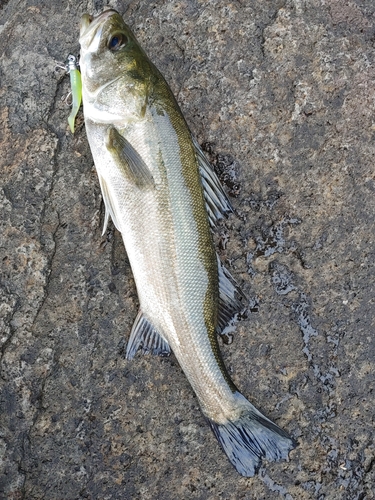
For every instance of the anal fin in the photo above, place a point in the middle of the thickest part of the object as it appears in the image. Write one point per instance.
(145, 338)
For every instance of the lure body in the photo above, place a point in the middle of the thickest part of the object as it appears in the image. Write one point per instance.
(76, 85)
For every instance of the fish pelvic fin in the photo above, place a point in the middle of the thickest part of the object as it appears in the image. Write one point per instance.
(109, 205)
(145, 338)
(250, 438)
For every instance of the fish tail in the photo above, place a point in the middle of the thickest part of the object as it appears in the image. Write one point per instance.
(250, 438)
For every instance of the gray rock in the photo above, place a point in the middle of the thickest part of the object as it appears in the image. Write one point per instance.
(282, 94)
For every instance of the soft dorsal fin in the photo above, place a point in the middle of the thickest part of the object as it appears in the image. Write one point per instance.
(128, 159)
(146, 339)
(217, 202)
(232, 301)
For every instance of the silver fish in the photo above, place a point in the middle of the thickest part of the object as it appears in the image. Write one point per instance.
(163, 195)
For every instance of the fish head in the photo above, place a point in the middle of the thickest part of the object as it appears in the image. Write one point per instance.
(116, 73)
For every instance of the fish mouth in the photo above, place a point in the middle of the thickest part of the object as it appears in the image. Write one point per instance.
(91, 25)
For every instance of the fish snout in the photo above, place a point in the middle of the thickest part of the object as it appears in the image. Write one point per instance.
(88, 22)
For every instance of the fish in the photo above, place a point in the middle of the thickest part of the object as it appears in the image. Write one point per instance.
(164, 198)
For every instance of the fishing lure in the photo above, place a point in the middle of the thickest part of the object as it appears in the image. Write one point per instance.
(76, 85)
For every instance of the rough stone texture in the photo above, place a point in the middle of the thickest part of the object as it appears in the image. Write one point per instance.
(282, 93)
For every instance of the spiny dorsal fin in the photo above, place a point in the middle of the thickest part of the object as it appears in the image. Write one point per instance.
(146, 339)
(128, 159)
(217, 202)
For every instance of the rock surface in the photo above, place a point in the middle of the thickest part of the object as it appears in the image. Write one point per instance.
(282, 93)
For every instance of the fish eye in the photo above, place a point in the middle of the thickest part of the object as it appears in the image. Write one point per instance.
(116, 42)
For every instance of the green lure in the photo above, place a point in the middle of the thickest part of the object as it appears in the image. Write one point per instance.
(76, 85)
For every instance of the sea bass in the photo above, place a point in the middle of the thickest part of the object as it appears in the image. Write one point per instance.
(163, 196)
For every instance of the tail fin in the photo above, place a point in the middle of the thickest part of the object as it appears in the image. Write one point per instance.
(250, 438)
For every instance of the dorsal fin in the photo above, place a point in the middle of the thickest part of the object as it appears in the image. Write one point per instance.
(232, 301)
(217, 202)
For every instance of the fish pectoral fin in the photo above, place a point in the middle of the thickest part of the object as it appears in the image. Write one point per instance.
(146, 339)
(217, 202)
(232, 301)
(109, 206)
(128, 159)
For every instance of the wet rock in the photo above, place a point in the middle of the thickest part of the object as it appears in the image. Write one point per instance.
(283, 92)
